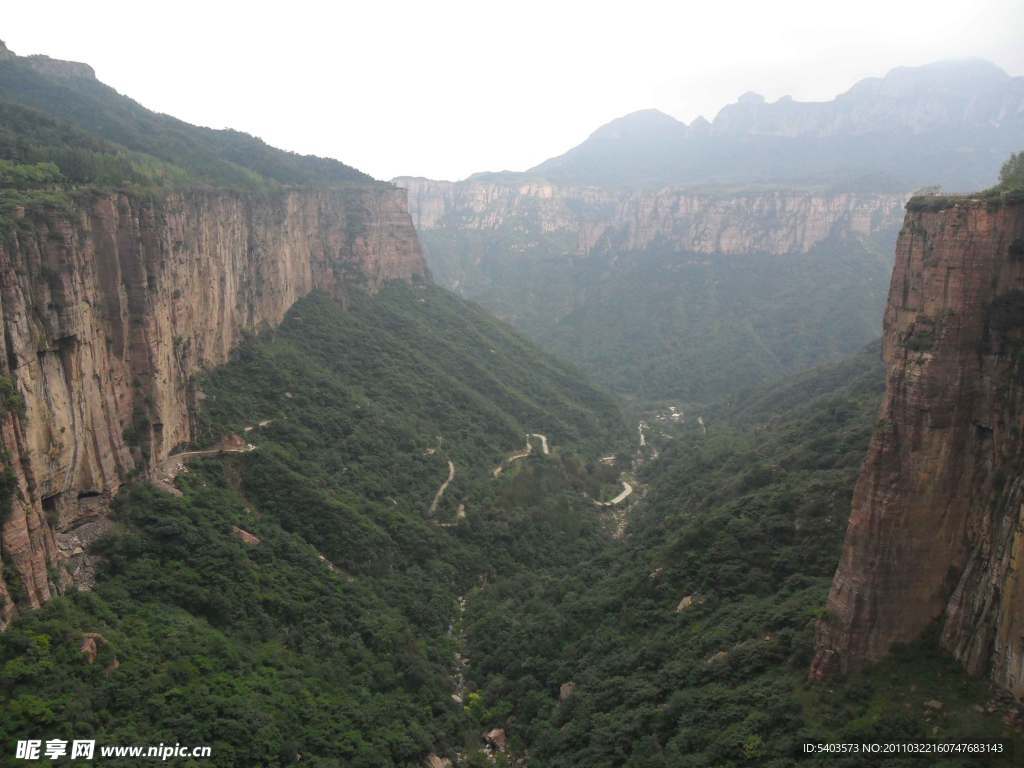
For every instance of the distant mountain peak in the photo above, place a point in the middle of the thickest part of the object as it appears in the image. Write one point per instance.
(949, 122)
(639, 123)
(701, 126)
(631, 144)
(946, 75)
(973, 65)
(935, 96)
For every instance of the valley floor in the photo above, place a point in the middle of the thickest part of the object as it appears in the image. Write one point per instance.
(582, 600)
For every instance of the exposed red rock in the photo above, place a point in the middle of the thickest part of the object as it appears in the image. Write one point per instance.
(496, 739)
(91, 644)
(937, 528)
(109, 309)
(244, 536)
(688, 602)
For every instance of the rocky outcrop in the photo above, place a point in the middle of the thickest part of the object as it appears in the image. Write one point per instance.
(972, 93)
(244, 536)
(496, 740)
(766, 222)
(50, 67)
(93, 646)
(109, 308)
(92, 642)
(936, 532)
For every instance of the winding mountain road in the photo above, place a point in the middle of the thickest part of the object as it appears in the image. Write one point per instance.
(627, 491)
(443, 488)
(523, 453)
(543, 441)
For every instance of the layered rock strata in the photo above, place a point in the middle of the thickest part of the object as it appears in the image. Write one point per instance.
(108, 310)
(936, 534)
(774, 222)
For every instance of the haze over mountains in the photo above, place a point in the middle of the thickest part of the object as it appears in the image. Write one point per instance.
(949, 123)
(690, 261)
(265, 486)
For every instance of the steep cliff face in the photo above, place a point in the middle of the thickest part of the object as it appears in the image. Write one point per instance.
(774, 223)
(108, 310)
(937, 527)
(667, 292)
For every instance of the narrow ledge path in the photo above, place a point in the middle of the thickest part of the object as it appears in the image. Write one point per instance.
(167, 470)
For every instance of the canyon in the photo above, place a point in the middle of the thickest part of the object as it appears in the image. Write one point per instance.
(770, 222)
(109, 309)
(674, 292)
(936, 533)
(255, 451)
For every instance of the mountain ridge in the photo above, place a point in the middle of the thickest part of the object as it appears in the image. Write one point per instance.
(184, 154)
(970, 110)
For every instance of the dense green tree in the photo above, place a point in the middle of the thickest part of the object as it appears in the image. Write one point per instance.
(329, 639)
(1011, 175)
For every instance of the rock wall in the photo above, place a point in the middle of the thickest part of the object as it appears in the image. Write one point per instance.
(772, 222)
(108, 310)
(937, 527)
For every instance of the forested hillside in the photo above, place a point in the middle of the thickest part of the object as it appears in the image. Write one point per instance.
(301, 600)
(296, 601)
(264, 487)
(662, 321)
(687, 644)
(57, 113)
(661, 324)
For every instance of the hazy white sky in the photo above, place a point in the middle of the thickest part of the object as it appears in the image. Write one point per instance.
(444, 89)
